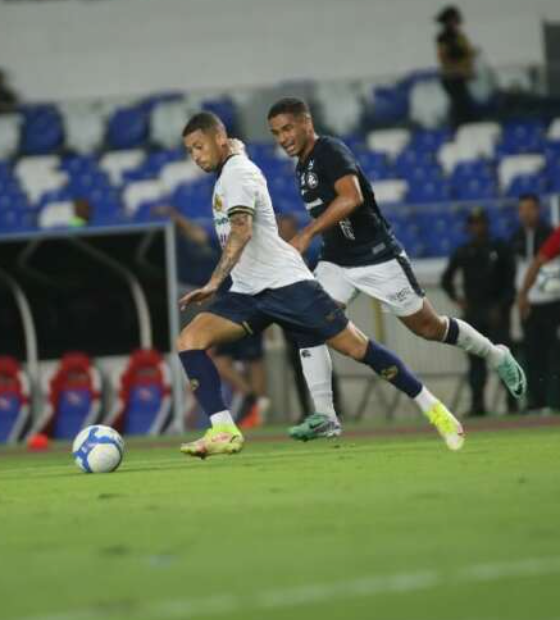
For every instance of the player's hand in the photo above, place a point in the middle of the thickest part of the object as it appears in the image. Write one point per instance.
(197, 296)
(237, 147)
(524, 306)
(301, 241)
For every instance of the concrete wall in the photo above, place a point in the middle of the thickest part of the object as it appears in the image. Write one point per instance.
(68, 49)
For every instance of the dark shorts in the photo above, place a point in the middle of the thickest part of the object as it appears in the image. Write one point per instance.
(248, 349)
(303, 309)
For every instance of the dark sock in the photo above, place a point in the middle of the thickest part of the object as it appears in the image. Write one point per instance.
(204, 380)
(452, 332)
(387, 365)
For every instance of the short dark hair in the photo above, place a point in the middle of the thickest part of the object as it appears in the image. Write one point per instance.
(203, 121)
(289, 105)
(532, 197)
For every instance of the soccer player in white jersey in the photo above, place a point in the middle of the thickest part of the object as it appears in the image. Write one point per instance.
(271, 283)
(361, 254)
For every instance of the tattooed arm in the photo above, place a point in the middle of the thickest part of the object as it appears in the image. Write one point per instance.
(241, 222)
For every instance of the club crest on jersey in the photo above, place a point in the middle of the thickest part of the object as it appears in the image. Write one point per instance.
(218, 203)
(312, 180)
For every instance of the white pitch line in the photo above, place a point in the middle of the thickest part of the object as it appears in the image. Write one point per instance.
(318, 593)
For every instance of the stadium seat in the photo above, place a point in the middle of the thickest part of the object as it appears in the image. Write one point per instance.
(42, 131)
(73, 394)
(340, 106)
(391, 191)
(84, 126)
(143, 191)
(388, 141)
(15, 400)
(10, 128)
(167, 120)
(127, 128)
(515, 165)
(56, 215)
(428, 104)
(178, 172)
(144, 403)
(115, 163)
(482, 138)
(553, 133)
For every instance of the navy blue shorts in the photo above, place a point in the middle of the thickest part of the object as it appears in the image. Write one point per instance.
(248, 349)
(303, 309)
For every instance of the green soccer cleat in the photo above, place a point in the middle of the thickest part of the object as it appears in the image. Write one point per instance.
(447, 426)
(512, 374)
(223, 439)
(315, 426)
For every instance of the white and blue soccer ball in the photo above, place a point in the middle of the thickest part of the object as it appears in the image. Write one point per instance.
(98, 449)
(548, 279)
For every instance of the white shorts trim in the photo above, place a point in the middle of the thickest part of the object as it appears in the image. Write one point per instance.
(387, 282)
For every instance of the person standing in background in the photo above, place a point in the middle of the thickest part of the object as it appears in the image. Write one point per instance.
(456, 59)
(539, 309)
(488, 272)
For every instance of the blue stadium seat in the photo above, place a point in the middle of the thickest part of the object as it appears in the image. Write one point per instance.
(42, 130)
(127, 128)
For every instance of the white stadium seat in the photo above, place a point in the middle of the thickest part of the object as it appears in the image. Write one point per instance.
(40, 174)
(84, 126)
(177, 172)
(142, 191)
(9, 134)
(388, 141)
(167, 121)
(480, 137)
(516, 165)
(56, 214)
(428, 104)
(115, 163)
(341, 106)
(390, 191)
(553, 132)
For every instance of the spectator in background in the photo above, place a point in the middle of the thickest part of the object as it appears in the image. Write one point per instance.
(456, 59)
(196, 255)
(539, 307)
(488, 272)
(83, 212)
(8, 98)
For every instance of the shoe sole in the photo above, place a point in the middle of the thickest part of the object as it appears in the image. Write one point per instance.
(304, 437)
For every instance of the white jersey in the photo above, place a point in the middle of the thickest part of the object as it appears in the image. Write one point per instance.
(267, 261)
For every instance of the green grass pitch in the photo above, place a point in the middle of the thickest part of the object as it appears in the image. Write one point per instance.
(388, 528)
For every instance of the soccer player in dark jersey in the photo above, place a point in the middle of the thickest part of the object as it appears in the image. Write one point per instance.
(360, 252)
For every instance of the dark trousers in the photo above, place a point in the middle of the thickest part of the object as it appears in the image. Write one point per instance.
(541, 346)
(462, 105)
(497, 329)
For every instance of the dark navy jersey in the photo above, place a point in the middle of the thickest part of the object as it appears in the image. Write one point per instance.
(363, 238)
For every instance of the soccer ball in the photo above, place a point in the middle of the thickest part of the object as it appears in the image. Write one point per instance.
(98, 449)
(548, 279)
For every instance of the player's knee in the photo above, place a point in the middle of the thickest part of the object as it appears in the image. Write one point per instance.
(191, 340)
(431, 328)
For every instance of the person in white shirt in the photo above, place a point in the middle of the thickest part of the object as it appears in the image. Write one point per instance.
(271, 283)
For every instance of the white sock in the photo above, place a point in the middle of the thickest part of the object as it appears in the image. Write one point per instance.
(317, 369)
(472, 341)
(221, 418)
(425, 400)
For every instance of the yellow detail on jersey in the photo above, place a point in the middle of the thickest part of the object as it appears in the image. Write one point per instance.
(218, 203)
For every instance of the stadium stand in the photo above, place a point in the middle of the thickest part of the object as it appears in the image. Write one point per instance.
(15, 400)
(144, 388)
(124, 157)
(74, 395)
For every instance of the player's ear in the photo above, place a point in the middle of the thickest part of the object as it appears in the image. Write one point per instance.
(221, 137)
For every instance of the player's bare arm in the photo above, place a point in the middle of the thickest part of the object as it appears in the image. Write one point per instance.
(348, 198)
(241, 222)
